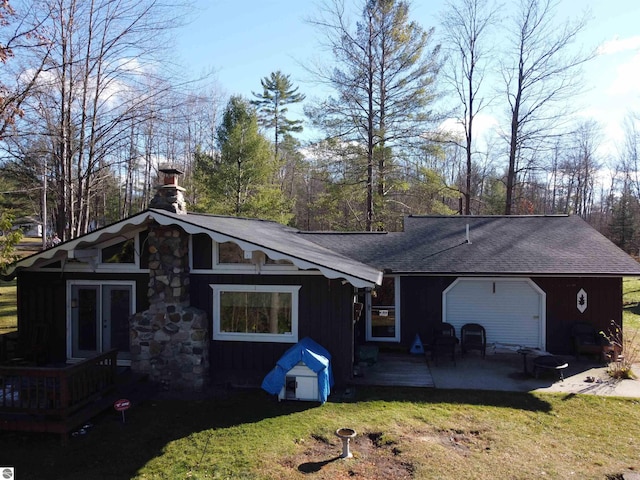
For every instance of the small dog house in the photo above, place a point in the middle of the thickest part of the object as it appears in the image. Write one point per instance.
(302, 373)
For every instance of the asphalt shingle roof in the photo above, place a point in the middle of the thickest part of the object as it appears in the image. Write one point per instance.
(279, 238)
(434, 245)
(499, 245)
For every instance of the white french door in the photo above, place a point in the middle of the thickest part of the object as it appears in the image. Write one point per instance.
(98, 318)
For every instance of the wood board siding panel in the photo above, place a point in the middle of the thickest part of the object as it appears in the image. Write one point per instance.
(42, 299)
(42, 302)
(421, 307)
(604, 304)
(324, 315)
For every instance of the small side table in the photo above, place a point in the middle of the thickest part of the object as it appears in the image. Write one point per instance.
(549, 362)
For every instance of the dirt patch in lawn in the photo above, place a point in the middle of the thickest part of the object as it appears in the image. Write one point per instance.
(374, 457)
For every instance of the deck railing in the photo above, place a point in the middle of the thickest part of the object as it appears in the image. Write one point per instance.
(54, 399)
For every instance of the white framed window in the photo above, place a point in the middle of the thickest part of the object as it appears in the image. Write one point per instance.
(208, 255)
(255, 313)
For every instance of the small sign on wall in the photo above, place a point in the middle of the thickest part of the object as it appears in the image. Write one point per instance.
(581, 300)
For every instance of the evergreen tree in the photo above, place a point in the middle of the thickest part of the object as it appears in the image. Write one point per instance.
(277, 92)
(239, 179)
(9, 238)
(623, 227)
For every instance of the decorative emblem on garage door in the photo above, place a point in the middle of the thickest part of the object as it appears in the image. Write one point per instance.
(581, 300)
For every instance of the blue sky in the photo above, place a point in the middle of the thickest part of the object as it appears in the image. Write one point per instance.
(246, 40)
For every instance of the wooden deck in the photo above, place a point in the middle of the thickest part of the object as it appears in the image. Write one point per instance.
(396, 370)
(57, 400)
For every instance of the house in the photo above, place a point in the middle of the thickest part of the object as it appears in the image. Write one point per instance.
(194, 298)
(30, 226)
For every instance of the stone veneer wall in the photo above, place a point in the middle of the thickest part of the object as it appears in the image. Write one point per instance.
(170, 340)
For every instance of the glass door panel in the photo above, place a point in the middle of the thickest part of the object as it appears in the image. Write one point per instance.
(383, 316)
(115, 318)
(84, 320)
(100, 319)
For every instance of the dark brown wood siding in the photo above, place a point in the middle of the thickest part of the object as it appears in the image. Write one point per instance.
(325, 315)
(421, 306)
(42, 301)
(604, 304)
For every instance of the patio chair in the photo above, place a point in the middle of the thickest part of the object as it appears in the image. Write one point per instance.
(444, 342)
(587, 341)
(473, 337)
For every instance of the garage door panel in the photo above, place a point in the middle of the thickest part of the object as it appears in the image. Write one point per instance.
(509, 310)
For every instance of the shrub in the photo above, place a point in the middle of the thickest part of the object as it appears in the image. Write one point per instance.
(625, 351)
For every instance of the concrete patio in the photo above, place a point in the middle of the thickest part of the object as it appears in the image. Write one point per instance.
(496, 371)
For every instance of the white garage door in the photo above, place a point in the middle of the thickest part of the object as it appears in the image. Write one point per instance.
(511, 311)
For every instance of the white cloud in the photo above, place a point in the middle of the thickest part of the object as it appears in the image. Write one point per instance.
(626, 78)
(483, 124)
(617, 45)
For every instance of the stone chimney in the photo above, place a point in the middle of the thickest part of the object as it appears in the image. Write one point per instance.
(170, 340)
(169, 195)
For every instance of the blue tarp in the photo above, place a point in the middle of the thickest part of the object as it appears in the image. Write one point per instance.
(311, 354)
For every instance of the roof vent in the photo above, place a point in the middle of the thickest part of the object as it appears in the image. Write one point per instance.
(468, 239)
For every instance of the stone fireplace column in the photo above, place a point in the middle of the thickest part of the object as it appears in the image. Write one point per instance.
(170, 340)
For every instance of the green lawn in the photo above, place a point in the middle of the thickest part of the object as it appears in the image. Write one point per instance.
(402, 433)
(631, 303)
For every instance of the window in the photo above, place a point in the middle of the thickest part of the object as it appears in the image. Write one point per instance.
(143, 238)
(229, 252)
(121, 252)
(202, 251)
(270, 261)
(256, 313)
(383, 321)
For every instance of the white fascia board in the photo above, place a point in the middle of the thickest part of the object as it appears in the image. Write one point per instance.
(72, 245)
(166, 220)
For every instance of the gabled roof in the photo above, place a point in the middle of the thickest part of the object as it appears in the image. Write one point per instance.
(277, 241)
(498, 245)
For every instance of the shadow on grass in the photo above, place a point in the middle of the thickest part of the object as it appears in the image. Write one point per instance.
(633, 308)
(314, 467)
(516, 400)
(113, 449)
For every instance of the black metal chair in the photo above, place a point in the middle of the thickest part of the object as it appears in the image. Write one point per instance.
(473, 337)
(444, 342)
(587, 341)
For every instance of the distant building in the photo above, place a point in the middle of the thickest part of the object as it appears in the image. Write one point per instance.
(30, 226)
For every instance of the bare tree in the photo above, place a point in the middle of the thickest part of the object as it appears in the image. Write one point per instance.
(21, 34)
(467, 26)
(539, 76)
(383, 76)
(105, 72)
(630, 152)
